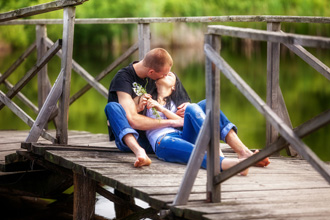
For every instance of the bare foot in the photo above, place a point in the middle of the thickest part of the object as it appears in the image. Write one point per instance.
(142, 161)
(246, 171)
(262, 163)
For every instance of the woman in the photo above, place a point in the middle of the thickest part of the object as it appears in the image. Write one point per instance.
(171, 144)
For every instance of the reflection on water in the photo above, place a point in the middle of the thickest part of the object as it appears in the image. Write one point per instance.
(306, 92)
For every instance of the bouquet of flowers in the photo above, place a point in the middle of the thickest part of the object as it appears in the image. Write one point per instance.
(139, 91)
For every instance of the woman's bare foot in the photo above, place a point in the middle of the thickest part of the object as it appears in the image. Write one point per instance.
(142, 161)
(262, 163)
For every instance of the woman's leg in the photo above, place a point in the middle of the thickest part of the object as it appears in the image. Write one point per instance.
(228, 134)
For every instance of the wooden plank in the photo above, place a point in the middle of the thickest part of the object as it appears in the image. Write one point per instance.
(144, 36)
(38, 9)
(212, 79)
(260, 35)
(84, 197)
(18, 62)
(264, 109)
(107, 70)
(310, 59)
(194, 163)
(196, 19)
(29, 75)
(22, 115)
(66, 66)
(46, 110)
(22, 97)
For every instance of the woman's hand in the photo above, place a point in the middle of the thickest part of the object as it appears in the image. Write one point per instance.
(154, 104)
(181, 109)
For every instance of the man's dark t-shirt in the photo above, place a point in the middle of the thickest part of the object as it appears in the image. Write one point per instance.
(123, 82)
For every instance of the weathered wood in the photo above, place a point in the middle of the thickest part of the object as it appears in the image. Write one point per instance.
(46, 110)
(194, 163)
(66, 66)
(273, 77)
(44, 85)
(21, 97)
(302, 131)
(29, 75)
(23, 116)
(264, 109)
(107, 70)
(144, 39)
(310, 59)
(212, 79)
(260, 35)
(84, 197)
(38, 9)
(18, 62)
(197, 19)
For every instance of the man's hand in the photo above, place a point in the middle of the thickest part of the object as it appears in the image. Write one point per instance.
(176, 123)
(181, 109)
(142, 101)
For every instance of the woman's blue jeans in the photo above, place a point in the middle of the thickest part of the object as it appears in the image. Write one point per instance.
(177, 146)
(120, 127)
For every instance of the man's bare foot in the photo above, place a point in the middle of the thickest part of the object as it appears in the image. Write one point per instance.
(244, 172)
(262, 163)
(142, 161)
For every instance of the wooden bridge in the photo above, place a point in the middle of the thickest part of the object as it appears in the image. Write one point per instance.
(289, 188)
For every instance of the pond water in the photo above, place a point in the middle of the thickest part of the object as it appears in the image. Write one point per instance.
(306, 92)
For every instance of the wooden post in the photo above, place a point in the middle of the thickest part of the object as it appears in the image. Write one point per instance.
(83, 197)
(213, 104)
(66, 65)
(273, 64)
(144, 39)
(43, 80)
(274, 94)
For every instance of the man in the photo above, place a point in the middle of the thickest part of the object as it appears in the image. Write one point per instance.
(124, 105)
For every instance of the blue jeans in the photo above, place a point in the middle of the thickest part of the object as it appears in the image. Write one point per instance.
(177, 146)
(120, 127)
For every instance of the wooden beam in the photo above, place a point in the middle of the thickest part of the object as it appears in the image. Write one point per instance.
(302, 131)
(264, 109)
(196, 19)
(29, 75)
(84, 197)
(144, 39)
(18, 62)
(106, 71)
(38, 9)
(23, 116)
(22, 97)
(46, 110)
(260, 35)
(310, 59)
(212, 79)
(194, 163)
(66, 66)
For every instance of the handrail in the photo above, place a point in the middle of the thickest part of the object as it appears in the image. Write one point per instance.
(200, 19)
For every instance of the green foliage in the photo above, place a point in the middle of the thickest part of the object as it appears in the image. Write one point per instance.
(104, 35)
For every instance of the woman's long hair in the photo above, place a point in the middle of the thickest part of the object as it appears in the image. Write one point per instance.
(178, 96)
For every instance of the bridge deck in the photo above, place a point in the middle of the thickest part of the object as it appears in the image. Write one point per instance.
(287, 188)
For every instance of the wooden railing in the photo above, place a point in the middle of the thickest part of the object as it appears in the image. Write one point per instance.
(272, 111)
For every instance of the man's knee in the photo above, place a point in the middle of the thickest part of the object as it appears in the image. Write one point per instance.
(114, 108)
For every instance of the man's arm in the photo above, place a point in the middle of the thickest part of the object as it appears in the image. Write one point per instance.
(142, 122)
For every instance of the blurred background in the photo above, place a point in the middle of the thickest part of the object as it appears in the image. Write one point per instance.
(306, 92)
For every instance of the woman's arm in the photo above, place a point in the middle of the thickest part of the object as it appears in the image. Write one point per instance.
(169, 114)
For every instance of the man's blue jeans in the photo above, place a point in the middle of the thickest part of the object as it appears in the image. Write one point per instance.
(116, 115)
(177, 146)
